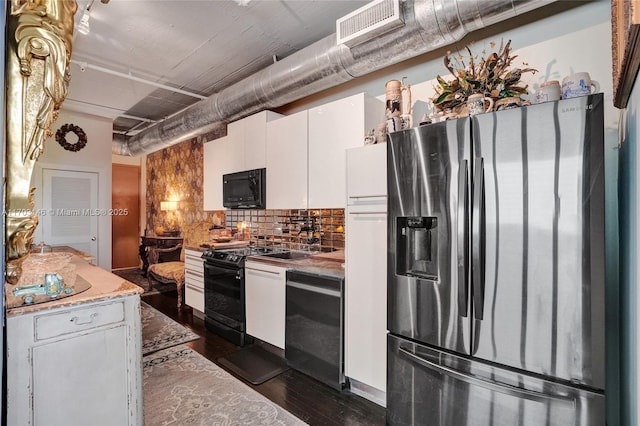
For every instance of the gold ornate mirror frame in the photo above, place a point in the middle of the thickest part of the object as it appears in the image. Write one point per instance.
(625, 28)
(39, 38)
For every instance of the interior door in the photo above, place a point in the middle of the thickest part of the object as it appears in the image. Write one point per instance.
(125, 221)
(70, 209)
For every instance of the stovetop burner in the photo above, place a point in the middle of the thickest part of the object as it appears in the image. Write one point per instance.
(235, 255)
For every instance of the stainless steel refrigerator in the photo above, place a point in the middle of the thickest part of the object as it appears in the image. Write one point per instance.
(496, 277)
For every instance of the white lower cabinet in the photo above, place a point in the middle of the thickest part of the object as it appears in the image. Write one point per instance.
(366, 272)
(76, 365)
(194, 280)
(265, 301)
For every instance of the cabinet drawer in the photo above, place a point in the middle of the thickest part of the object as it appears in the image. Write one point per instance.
(193, 263)
(194, 296)
(196, 275)
(194, 281)
(74, 320)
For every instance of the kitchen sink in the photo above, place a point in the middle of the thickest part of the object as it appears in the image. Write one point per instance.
(289, 255)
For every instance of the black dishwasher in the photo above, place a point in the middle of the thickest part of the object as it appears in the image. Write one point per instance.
(314, 327)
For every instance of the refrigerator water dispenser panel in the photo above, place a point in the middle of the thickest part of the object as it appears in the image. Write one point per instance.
(417, 247)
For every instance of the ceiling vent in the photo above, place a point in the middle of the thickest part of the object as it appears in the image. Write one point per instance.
(368, 22)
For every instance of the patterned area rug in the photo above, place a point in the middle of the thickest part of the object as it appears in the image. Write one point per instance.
(181, 387)
(161, 332)
(135, 276)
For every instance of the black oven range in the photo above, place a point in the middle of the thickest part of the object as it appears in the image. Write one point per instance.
(224, 291)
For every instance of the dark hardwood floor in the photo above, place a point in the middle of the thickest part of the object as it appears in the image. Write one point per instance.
(310, 400)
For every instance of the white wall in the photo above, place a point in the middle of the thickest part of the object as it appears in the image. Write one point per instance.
(95, 157)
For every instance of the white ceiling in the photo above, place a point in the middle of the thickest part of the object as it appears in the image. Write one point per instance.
(197, 46)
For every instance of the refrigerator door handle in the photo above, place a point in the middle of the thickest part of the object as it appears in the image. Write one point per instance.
(478, 381)
(478, 239)
(463, 238)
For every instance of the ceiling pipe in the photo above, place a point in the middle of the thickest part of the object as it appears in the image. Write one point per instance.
(429, 25)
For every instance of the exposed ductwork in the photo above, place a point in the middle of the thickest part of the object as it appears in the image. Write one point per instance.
(428, 25)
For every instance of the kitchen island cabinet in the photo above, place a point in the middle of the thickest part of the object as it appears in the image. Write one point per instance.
(265, 293)
(77, 360)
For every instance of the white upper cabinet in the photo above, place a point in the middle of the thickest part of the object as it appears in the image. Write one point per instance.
(287, 162)
(244, 148)
(333, 128)
(251, 133)
(366, 172)
(223, 155)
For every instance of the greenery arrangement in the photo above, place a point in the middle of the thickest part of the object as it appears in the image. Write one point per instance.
(491, 75)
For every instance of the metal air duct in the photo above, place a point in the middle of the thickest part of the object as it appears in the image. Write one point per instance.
(428, 25)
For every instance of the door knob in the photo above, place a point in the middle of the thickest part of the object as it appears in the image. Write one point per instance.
(93, 238)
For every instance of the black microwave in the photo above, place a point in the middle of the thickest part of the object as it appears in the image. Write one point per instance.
(244, 190)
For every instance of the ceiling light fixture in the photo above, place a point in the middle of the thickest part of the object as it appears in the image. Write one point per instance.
(243, 2)
(83, 26)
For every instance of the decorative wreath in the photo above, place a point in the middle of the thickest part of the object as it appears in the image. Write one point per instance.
(62, 133)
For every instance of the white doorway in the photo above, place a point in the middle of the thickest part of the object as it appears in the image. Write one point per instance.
(70, 209)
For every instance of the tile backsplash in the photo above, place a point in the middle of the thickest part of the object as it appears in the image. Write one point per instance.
(294, 229)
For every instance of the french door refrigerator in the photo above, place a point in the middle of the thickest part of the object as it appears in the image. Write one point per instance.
(496, 269)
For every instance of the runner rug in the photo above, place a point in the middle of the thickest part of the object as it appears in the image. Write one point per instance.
(161, 332)
(181, 387)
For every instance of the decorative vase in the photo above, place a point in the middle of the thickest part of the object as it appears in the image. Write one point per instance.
(393, 96)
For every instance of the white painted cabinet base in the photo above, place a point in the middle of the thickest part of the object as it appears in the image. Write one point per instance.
(76, 365)
(265, 302)
(194, 281)
(366, 272)
(368, 392)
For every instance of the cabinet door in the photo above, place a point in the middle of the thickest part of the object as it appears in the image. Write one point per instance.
(223, 155)
(251, 132)
(366, 172)
(287, 162)
(333, 128)
(68, 373)
(366, 296)
(265, 292)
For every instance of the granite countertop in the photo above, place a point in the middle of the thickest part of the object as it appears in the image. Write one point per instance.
(55, 249)
(322, 264)
(104, 285)
(213, 245)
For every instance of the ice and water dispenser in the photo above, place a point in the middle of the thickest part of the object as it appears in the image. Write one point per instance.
(417, 247)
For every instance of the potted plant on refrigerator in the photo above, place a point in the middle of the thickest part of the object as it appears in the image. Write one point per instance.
(491, 75)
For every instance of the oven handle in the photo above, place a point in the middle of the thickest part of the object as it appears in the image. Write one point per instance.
(220, 287)
(216, 270)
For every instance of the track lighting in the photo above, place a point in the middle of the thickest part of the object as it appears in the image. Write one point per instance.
(83, 26)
